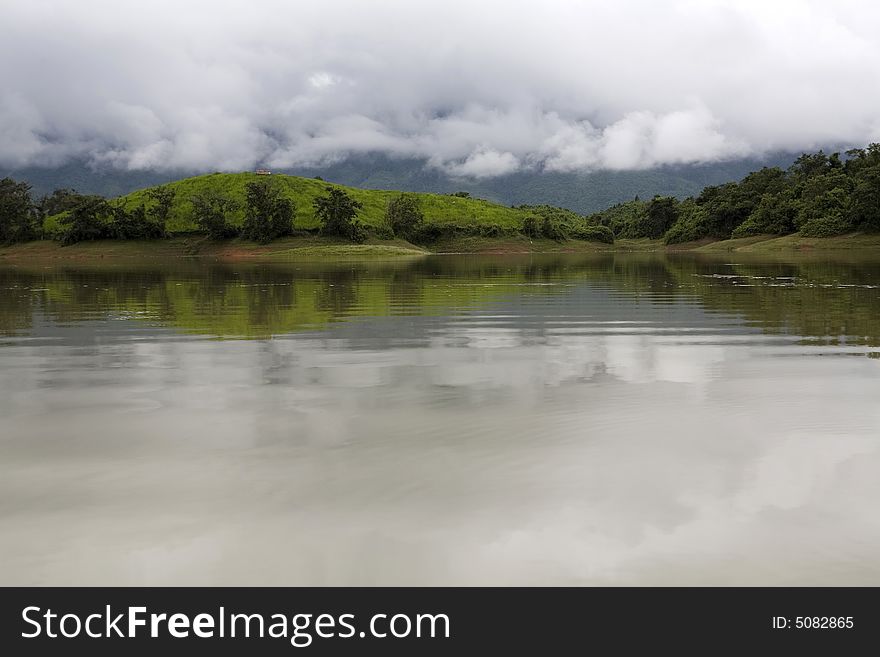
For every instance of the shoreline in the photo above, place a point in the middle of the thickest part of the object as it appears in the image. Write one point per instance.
(315, 247)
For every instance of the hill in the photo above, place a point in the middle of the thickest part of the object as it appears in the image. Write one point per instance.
(437, 208)
(580, 192)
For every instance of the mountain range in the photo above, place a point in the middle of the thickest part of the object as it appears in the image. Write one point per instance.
(581, 192)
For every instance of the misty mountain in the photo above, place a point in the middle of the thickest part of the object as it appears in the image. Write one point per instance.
(581, 192)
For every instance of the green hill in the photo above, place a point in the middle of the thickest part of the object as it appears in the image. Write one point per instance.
(437, 208)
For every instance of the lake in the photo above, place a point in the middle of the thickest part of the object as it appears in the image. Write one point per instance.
(598, 419)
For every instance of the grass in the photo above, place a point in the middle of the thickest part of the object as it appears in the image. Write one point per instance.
(767, 244)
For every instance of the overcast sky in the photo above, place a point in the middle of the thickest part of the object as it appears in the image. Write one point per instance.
(480, 88)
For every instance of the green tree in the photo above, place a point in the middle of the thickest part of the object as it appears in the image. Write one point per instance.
(337, 212)
(211, 212)
(135, 224)
(268, 214)
(776, 214)
(163, 199)
(18, 217)
(661, 213)
(692, 223)
(89, 220)
(531, 227)
(404, 215)
(60, 200)
(866, 198)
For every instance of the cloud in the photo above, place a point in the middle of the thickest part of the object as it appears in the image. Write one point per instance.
(475, 90)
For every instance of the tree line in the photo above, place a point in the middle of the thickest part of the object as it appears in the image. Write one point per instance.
(819, 195)
(268, 215)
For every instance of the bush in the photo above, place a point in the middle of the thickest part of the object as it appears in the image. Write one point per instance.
(268, 215)
(530, 227)
(404, 215)
(591, 233)
(826, 227)
(553, 229)
(384, 232)
(428, 233)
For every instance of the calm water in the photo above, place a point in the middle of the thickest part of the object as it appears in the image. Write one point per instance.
(452, 420)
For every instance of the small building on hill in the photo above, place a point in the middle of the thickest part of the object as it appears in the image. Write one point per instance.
(263, 172)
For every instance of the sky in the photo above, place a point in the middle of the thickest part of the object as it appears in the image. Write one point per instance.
(477, 89)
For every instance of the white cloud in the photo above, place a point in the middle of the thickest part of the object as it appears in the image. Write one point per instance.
(477, 90)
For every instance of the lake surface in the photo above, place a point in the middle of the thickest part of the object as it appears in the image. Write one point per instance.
(616, 419)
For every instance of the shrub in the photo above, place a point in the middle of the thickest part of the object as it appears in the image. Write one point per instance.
(384, 232)
(530, 227)
(826, 226)
(553, 229)
(591, 233)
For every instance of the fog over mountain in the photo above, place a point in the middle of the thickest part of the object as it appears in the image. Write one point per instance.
(469, 90)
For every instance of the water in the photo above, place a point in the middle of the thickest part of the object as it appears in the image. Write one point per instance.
(453, 420)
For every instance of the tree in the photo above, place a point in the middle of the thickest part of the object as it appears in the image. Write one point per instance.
(404, 215)
(337, 213)
(60, 200)
(163, 200)
(866, 198)
(134, 224)
(776, 214)
(692, 223)
(211, 212)
(18, 218)
(89, 220)
(661, 213)
(268, 215)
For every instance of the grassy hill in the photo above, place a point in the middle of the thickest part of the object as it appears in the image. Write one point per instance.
(437, 208)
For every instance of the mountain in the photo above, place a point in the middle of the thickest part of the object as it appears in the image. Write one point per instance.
(581, 192)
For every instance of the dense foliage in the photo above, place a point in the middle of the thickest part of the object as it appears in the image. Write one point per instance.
(404, 215)
(338, 214)
(268, 214)
(559, 224)
(819, 195)
(18, 216)
(211, 212)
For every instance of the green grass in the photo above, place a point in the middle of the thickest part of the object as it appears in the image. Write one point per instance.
(770, 244)
(437, 208)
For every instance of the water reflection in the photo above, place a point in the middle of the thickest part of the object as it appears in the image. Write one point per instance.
(558, 420)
